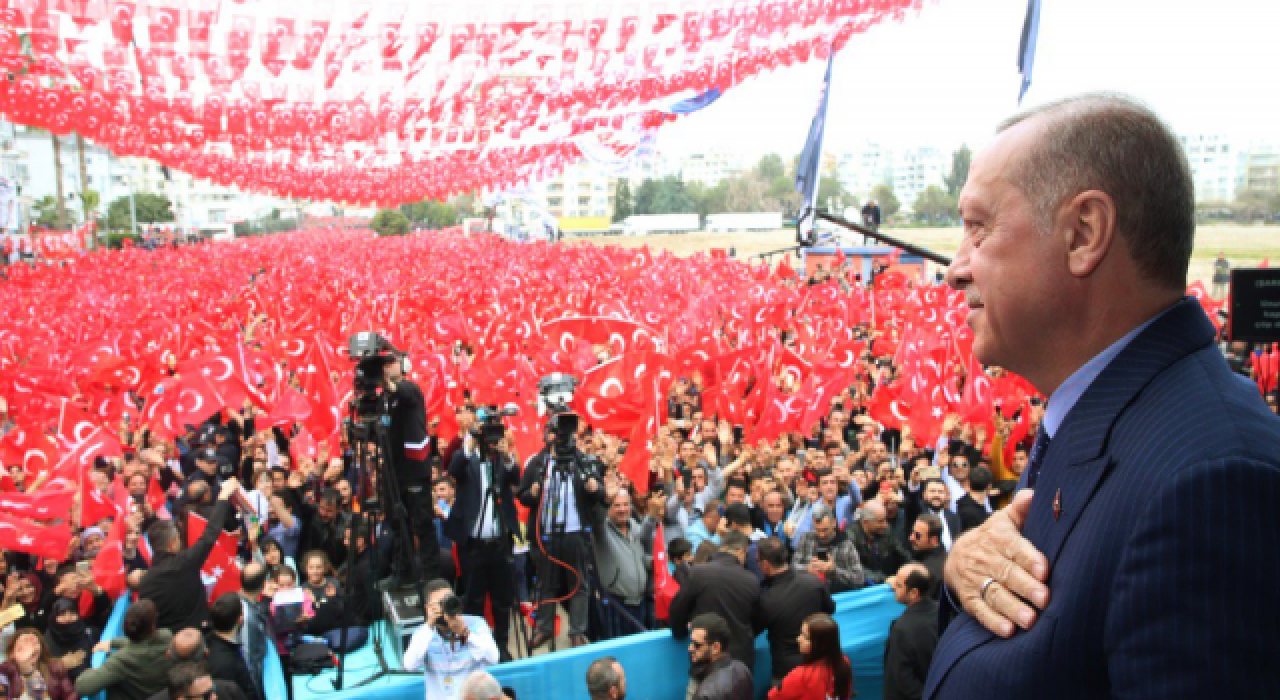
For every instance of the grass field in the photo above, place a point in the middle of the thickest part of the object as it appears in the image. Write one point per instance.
(1245, 246)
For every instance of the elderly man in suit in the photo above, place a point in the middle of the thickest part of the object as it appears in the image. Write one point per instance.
(1098, 581)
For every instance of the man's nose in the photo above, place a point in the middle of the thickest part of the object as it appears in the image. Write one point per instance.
(958, 273)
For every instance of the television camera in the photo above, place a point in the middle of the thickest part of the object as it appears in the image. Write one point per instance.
(555, 391)
(489, 428)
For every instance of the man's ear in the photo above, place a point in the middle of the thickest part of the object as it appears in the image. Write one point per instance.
(1088, 222)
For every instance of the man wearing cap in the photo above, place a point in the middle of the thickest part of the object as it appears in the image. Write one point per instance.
(206, 468)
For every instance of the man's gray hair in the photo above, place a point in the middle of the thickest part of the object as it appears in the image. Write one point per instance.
(601, 677)
(1112, 143)
(873, 509)
(821, 512)
(481, 686)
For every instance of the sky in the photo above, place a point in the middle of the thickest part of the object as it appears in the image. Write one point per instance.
(948, 75)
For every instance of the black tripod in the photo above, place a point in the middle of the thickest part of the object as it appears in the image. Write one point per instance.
(368, 434)
(567, 463)
(489, 459)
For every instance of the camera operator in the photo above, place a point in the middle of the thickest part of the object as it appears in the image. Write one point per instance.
(408, 438)
(567, 483)
(482, 523)
(449, 645)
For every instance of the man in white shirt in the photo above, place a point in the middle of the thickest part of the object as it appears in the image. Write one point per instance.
(449, 645)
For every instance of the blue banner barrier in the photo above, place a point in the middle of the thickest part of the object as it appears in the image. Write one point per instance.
(273, 673)
(113, 629)
(657, 666)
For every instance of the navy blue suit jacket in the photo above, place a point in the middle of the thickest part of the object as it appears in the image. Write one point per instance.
(1164, 557)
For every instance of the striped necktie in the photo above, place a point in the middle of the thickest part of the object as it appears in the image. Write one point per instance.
(1036, 459)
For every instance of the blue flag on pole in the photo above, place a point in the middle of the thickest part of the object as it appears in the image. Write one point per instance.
(808, 171)
(1027, 48)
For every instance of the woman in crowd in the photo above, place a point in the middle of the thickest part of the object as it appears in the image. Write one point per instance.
(30, 672)
(137, 666)
(291, 609)
(826, 672)
(330, 604)
(271, 554)
(68, 639)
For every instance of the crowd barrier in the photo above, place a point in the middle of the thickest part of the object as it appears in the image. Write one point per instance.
(273, 673)
(656, 665)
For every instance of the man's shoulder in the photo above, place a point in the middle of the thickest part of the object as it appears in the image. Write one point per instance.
(1199, 411)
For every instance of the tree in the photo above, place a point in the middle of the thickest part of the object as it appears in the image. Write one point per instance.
(431, 213)
(888, 201)
(645, 195)
(91, 200)
(771, 167)
(84, 184)
(151, 208)
(935, 206)
(829, 189)
(390, 222)
(960, 161)
(46, 211)
(622, 201)
(60, 209)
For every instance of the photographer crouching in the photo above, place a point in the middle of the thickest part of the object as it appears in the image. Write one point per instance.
(561, 487)
(483, 520)
(449, 645)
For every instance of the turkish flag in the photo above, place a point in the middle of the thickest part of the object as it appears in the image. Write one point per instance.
(227, 373)
(928, 412)
(108, 566)
(976, 402)
(220, 570)
(635, 463)
(31, 448)
(188, 400)
(665, 587)
(70, 471)
(74, 425)
(39, 505)
(292, 407)
(887, 409)
(45, 541)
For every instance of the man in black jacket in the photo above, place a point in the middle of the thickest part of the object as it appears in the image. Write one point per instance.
(722, 586)
(881, 555)
(482, 523)
(325, 529)
(226, 660)
(927, 549)
(912, 637)
(410, 446)
(173, 582)
(571, 486)
(713, 673)
(789, 596)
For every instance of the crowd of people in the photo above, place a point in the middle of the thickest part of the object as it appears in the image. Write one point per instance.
(757, 537)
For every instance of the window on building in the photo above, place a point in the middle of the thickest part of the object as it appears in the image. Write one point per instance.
(584, 201)
(217, 216)
(554, 201)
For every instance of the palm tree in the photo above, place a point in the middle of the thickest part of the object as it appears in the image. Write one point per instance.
(84, 185)
(60, 209)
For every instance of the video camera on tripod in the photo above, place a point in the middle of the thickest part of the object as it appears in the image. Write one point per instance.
(371, 353)
(489, 429)
(555, 391)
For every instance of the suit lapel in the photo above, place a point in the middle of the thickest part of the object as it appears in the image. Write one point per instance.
(1076, 461)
